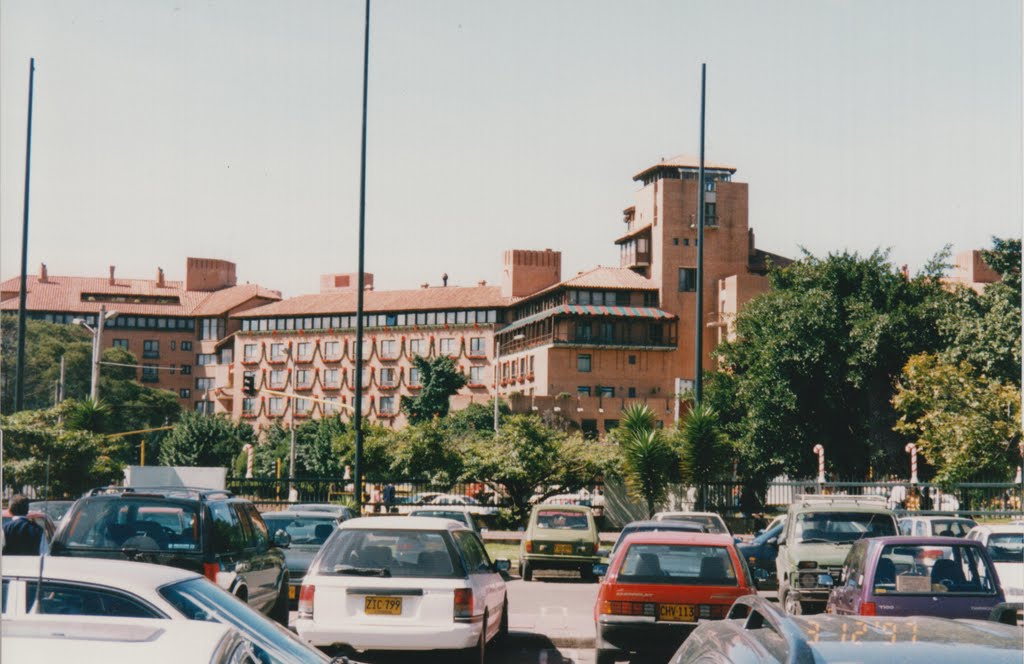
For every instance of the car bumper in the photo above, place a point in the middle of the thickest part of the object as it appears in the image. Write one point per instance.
(541, 561)
(640, 634)
(391, 637)
(811, 595)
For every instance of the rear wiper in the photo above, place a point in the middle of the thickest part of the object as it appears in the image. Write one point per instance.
(362, 571)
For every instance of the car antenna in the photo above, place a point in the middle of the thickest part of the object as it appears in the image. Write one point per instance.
(43, 545)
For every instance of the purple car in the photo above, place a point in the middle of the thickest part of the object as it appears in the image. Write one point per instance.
(948, 577)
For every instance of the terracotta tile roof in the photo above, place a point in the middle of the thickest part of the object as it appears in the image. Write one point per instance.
(609, 277)
(420, 299)
(65, 294)
(633, 233)
(685, 161)
(591, 310)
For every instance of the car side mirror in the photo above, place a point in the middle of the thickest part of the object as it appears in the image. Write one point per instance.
(826, 580)
(600, 569)
(502, 565)
(282, 539)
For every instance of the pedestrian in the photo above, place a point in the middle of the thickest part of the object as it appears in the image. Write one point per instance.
(375, 497)
(22, 536)
(389, 497)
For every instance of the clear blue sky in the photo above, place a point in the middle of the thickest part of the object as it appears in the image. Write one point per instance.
(230, 128)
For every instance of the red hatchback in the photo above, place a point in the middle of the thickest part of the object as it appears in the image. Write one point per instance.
(660, 585)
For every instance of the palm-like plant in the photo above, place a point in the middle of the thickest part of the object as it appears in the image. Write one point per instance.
(646, 456)
(88, 415)
(704, 448)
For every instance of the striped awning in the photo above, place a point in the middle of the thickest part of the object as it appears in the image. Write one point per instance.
(591, 310)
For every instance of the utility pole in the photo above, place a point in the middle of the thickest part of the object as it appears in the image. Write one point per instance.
(19, 378)
(698, 388)
(60, 391)
(358, 419)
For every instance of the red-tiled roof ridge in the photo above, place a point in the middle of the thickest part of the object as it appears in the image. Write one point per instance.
(418, 299)
(685, 161)
(612, 278)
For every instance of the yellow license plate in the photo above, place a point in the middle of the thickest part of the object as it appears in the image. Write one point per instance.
(383, 606)
(563, 549)
(293, 592)
(676, 613)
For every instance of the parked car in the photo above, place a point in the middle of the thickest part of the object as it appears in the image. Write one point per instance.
(121, 641)
(757, 630)
(454, 513)
(760, 554)
(307, 531)
(55, 509)
(561, 537)
(949, 577)
(652, 526)
(818, 534)
(403, 583)
(469, 503)
(1005, 544)
(343, 512)
(40, 518)
(210, 532)
(712, 522)
(939, 526)
(119, 588)
(660, 586)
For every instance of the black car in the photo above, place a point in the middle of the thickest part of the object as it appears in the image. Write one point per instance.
(210, 532)
(760, 554)
(308, 531)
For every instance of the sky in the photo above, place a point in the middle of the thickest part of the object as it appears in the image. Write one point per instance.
(231, 129)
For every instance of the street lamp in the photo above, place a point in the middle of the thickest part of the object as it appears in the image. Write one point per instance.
(292, 494)
(97, 341)
(497, 367)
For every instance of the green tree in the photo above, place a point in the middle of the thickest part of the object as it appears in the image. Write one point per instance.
(1004, 257)
(428, 450)
(317, 442)
(647, 457)
(205, 440)
(45, 344)
(704, 449)
(440, 379)
(88, 415)
(965, 425)
(816, 357)
(525, 458)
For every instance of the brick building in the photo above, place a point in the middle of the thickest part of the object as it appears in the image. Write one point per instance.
(179, 330)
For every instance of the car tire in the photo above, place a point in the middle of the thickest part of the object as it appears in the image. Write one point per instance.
(503, 625)
(478, 653)
(790, 603)
(279, 612)
(587, 574)
(527, 571)
(605, 656)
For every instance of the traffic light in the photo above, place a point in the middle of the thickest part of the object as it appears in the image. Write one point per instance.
(249, 385)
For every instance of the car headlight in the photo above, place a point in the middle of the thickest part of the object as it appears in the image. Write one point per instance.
(807, 564)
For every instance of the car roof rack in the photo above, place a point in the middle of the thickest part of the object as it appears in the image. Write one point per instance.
(162, 491)
(828, 499)
(755, 611)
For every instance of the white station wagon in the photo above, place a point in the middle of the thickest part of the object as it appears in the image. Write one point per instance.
(403, 583)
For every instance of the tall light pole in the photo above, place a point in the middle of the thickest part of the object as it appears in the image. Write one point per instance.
(698, 342)
(292, 377)
(497, 368)
(97, 346)
(19, 374)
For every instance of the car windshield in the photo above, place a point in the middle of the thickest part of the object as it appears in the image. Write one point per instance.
(199, 599)
(137, 523)
(841, 527)
(441, 514)
(932, 569)
(1006, 547)
(55, 509)
(952, 527)
(391, 553)
(677, 564)
(562, 520)
(711, 524)
(313, 530)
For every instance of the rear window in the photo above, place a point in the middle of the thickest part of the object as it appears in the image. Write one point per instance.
(951, 528)
(397, 553)
(841, 527)
(134, 523)
(1006, 547)
(454, 516)
(678, 564)
(710, 523)
(562, 520)
(303, 529)
(932, 569)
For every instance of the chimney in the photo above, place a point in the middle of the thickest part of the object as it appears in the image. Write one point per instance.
(482, 282)
(424, 285)
(42, 273)
(444, 280)
(159, 277)
(111, 282)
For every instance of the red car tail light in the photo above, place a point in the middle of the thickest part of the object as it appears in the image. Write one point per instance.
(306, 601)
(210, 571)
(868, 609)
(463, 603)
(529, 546)
(617, 608)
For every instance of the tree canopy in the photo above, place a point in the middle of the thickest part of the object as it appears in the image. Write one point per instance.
(440, 379)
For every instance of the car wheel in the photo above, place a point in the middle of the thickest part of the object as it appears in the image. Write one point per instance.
(527, 571)
(791, 604)
(279, 612)
(503, 625)
(604, 656)
(587, 574)
(478, 653)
